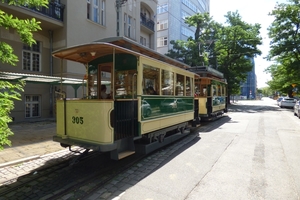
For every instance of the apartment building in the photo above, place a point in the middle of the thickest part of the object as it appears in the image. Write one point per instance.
(248, 88)
(170, 20)
(66, 23)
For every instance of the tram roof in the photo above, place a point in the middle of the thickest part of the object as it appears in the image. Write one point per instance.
(83, 53)
(206, 71)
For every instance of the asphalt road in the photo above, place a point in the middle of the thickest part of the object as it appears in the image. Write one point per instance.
(251, 154)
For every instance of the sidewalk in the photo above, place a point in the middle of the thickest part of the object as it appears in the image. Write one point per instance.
(30, 140)
(34, 139)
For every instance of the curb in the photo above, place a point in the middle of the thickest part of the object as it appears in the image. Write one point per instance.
(15, 162)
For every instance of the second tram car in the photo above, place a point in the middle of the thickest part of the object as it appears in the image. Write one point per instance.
(211, 92)
(135, 99)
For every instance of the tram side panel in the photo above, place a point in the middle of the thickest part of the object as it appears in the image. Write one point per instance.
(85, 123)
(162, 114)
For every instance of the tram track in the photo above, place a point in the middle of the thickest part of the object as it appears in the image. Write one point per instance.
(84, 178)
(18, 183)
(98, 180)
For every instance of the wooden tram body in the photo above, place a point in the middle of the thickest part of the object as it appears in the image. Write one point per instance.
(211, 92)
(133, 118)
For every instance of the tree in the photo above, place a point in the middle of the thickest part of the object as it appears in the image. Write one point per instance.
(227, 48)
(284, 47)
(10, 91)
(197, 50)
(237, 44)
(281, 80)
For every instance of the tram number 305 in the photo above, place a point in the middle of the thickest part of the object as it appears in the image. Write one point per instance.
(77, 120)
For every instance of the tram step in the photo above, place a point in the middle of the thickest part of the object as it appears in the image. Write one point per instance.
(125, 154)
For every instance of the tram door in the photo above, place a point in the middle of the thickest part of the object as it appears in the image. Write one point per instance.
(126, 104)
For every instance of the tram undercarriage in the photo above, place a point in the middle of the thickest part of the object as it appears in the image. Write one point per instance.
(128, 146)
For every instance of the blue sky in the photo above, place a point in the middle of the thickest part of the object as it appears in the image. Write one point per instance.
(254, 11)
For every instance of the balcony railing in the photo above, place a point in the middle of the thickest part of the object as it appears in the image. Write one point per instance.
(54, 10)
(147, 22)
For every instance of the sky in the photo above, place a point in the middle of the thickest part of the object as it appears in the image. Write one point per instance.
(254, 11)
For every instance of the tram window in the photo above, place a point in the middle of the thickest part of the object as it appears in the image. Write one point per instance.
(188, 87)
(92, 80)
(92, 85)
(179, 85)
(150, 80)
(214, 90)
(125, 84)
(197, 87)
(203, 91)
(104, 78)
(167, 80)
(219, 90)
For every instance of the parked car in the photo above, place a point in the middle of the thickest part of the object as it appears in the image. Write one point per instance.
(278, 100)
(146, 109)
(172, 105)
(287, 102)
(297, 109)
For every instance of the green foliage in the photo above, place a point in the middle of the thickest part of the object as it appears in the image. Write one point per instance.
(10, 91)
(284, 48)
(227, 48)
(24, 28)
(266, 91)
(197, 50)
(238, 42)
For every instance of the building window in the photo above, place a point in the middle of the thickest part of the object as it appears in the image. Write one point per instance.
(102, 13)
(162, 41)
(133, 29)
(129, 26)
(184, 15)
(32, 57)
(161, 25)
(187, 32)
(125, 24)
(162, 8)
(143, 41)
(32, 106)
(96, 11)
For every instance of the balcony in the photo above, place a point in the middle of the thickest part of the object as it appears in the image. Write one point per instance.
(147, 22)
(50, 18)
(54, 10)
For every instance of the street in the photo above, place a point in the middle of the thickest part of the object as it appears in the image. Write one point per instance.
(252, 154)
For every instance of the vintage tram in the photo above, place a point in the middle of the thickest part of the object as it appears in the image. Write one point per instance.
(211, 92)
(135, 99)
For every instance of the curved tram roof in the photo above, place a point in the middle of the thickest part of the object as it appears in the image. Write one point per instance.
(83, 53)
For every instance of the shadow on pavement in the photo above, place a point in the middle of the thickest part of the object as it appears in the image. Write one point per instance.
(252, 108)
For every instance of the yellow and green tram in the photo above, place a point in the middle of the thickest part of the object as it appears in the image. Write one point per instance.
(136, 100)
(211, 92)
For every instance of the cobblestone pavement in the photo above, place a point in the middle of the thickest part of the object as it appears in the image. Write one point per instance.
(30, 140)
(31, 148)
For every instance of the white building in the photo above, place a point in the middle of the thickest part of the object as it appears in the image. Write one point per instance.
(170, 20)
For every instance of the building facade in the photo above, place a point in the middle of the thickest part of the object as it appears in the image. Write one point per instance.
(170, 20)
(248, 88)
(66, 23)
